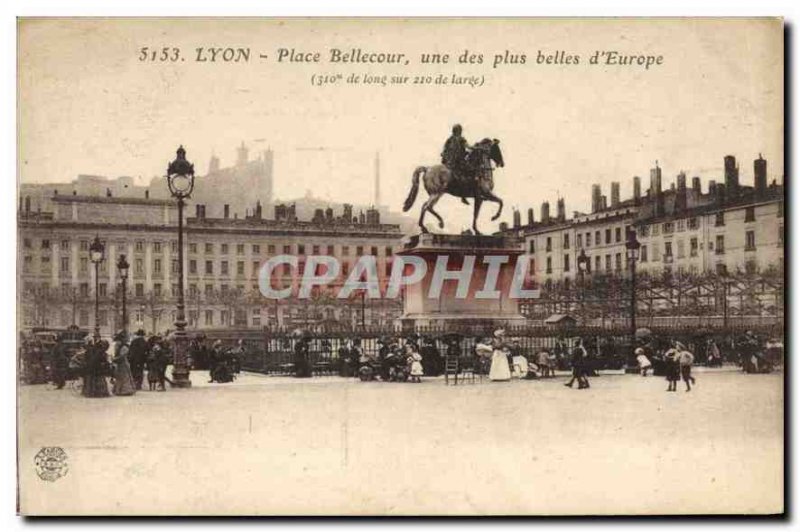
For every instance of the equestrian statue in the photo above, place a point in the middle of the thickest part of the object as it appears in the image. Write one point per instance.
(465, 172)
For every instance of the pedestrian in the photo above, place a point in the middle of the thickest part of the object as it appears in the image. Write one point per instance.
(432, 362)
(672, 366)
(95, 369)
(579, 366)
(415, 363)
(123, 380)
(685, 360)
(500, 370)
(713, 355)
(59, 362)
(302, 366)
(137, 356)
(644, 363)
(543, 362)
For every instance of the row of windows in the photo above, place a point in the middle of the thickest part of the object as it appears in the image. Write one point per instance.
(614, 235)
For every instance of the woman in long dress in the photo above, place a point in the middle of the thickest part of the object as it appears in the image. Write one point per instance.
(95, 362)
(123, 378)
(499, 370)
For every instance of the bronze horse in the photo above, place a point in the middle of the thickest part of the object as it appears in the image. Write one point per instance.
(440, 180)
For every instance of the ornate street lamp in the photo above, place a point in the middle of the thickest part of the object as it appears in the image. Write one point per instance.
(96, 255)
(583, 267)
(180, 179)
(123, 267)
(632, 247)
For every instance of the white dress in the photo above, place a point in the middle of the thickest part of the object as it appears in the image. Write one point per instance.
(416, 365)
(499, 370)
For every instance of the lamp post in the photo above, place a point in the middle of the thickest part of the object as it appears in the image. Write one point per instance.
(123, 267)
(632, 246)
(583, 267)
(180, 179)
(96, 255)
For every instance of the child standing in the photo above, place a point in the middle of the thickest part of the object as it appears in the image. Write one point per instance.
(415, 361)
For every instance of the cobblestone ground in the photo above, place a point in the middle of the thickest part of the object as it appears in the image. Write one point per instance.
(330, 445)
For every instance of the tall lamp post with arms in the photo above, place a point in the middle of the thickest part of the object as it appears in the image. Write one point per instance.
(97, 255)
(583, 267)
(123, 267)
(632, 248)
(180, 179)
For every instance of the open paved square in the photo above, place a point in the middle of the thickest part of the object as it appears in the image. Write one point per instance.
(272, 445)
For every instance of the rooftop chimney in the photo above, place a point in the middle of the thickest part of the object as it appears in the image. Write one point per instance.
(596, 198)
(226, 209)
(760, 173)
(545, 212)
(614, 194)
(637, 189)
(697, 187)
(731, 175)
(655, 181)
(530, 216)
(680, 195)
(561, 211)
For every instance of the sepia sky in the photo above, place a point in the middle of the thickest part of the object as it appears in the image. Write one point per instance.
(88, 105)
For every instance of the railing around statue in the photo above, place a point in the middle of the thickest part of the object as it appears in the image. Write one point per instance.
(272, 351)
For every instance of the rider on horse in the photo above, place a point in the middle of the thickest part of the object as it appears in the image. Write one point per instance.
(454, 156)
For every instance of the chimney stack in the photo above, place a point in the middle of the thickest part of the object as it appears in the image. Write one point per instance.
(655, 181)
(760, 173)
(596, 198)
(530, 216)
(731, 175)
(545, 212)
(614, 194)
(680, 195)
(517, 221)
(561, 211)
(226, 211)
(637, 189)
(697, 187)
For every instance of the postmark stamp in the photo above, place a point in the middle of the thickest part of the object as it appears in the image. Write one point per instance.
(51, 463)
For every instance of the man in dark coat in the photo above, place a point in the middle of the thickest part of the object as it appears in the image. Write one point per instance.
(59, 362)
(137, 356)
(454, 153)
(302, 365)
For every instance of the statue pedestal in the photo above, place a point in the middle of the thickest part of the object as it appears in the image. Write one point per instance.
(421, 310)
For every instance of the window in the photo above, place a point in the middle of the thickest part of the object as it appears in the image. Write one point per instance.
(157, 289)
(224, 249)
(65, 245)
(720, 244)
(618, 234)
(656, 229)
(549, 246)
(192, 290)
(331, 252)
(588, 240)
(175, 264)
(209, 267)
(644, 230)
(579, 241)
(192, 248)
(315, 249)
(750, 241)
(566, 240)
(608, 263)
(157, 266)
(139, 290)
(223, 317)
(84, 290)
(680, 225)
(240, 268)
(271, 249)
(84, 265)
(138, 247)
(374, 251)
(668, 228)
(64, 264)
(256, 249)
(721, 268)
(173, 246)
(301, 249)
(668, 249)
(693, 247)
(532, 245)
(209, 247)
(549, 265)
(45, 264)
(566, 262)
(618, 261)
(345, 251)
(240, 249)
(156, 247)
(359, 250)
(83, 318)
(750, 266)
(209, 290)
(608, 236)
(209, 317)
(719, 219)
(693, 223)
(102, 290)
(597, 240)
(256, 266)
(224, 267)
(287, 249)
(388, 251)
(681, 249)
(643, 253)
(45, 244)
(750, 214)
(192, 266)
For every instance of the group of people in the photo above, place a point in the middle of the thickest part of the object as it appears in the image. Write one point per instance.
(223, 363)
(677, 363)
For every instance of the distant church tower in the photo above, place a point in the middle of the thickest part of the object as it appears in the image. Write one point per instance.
(241, 155)
(377, 179)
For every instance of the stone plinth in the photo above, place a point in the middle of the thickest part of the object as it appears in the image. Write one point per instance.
(422, 310)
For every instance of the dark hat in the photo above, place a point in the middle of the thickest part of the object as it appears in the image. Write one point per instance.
(140, 332)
